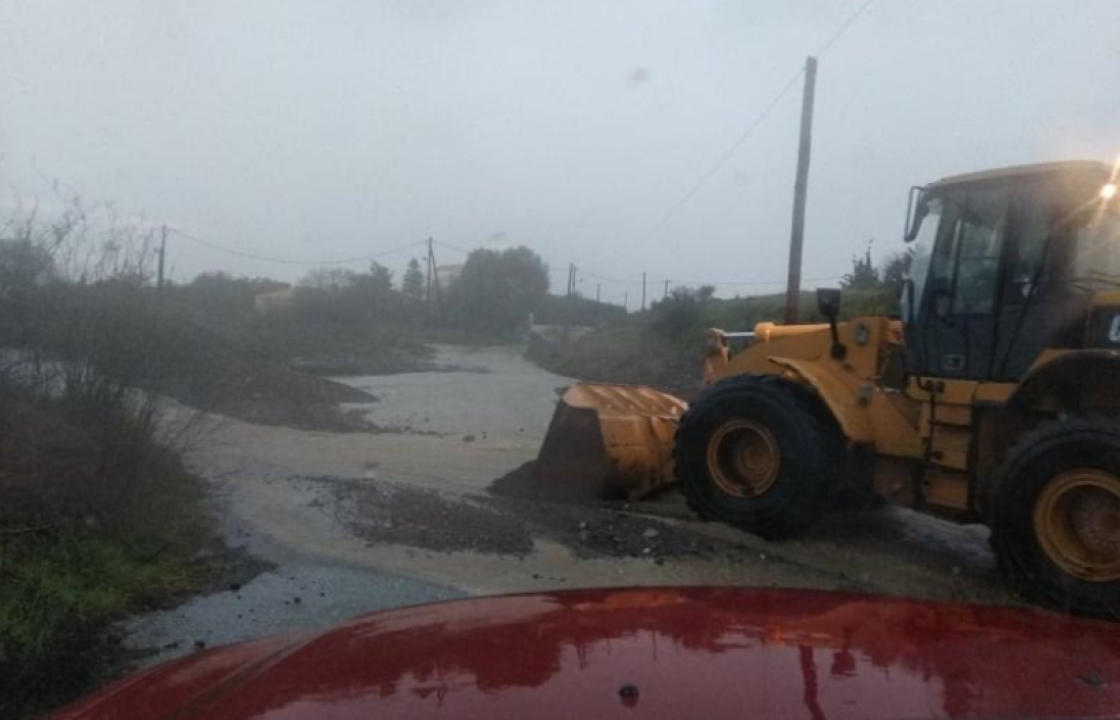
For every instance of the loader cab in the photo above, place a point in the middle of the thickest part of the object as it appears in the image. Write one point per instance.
(1004, 264)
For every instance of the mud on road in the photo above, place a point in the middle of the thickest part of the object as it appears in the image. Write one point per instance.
(408, 515)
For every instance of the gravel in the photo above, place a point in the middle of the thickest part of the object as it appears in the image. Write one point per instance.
(384, 512)
(295, 596)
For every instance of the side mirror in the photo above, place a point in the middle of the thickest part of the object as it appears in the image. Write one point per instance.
(915, 211)
(828, 303)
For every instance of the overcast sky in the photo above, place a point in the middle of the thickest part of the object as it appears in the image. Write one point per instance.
(321, 130)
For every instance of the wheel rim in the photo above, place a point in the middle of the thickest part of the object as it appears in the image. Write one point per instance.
(1077, 523)
(743, 458)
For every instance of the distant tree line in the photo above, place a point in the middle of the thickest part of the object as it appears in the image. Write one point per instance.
(360, 318)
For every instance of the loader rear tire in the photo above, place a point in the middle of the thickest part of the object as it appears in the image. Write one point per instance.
(1056, 515)
(759, 453)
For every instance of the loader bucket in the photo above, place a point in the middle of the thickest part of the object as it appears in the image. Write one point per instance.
(611, 441)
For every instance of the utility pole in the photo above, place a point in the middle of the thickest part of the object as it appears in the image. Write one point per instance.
(666, 293)
(435, 273)
(598, 288)
(626, 301)
(800, 187)
(428, 284)
(643, 291)
(162, 254)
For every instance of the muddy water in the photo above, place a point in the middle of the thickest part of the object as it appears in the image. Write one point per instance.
(493, 394)
(378, 519)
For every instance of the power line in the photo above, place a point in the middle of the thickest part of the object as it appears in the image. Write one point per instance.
(843, 28)
(636, 278)
(726, 155)
(607, 278)
(732, 283)
(290, 261)
(456, 248)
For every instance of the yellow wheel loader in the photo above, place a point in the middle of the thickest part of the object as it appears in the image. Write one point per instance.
(994, 398)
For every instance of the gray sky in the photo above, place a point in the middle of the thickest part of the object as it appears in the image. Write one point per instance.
(323, 129)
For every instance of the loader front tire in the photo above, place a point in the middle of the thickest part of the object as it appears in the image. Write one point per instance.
(1056, 515)
(757, 452)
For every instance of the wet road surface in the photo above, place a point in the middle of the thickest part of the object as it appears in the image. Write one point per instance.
(372, 520)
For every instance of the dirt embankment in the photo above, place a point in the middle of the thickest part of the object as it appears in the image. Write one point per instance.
(627, 354)
(216, 376)
(270, 394)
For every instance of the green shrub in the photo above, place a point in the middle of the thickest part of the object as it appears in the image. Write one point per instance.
(60, 591)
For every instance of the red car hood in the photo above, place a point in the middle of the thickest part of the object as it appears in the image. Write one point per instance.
(670, 653)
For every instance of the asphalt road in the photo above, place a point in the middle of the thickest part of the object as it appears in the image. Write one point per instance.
(294, 596)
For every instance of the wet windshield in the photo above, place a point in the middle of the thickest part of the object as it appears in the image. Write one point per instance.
(927, 222)
(1096, 255)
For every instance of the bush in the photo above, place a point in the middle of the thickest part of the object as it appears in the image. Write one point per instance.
(681, 313)
(333, 322)
(98, 516)
(61, 589)
(575, 310)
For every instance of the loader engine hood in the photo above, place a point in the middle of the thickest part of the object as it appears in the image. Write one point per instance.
(654, 652)
(803, 341)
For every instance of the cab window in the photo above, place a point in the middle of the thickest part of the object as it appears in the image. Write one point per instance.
(965, 268)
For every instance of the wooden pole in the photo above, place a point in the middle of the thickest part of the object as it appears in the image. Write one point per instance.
(643, 291)
(162, 254)
(428, 285)
(435, 276)
(800, 189)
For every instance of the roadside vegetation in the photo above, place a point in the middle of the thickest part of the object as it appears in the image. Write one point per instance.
(98, 515)
(661, 346)
(355, 322)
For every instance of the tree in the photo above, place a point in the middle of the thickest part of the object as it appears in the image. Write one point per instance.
(864, 274)
(896, 268)
(329, 279)
(25, 268)
(380, 278)
(496, 291)
(23, 265)
(412, 285)
(680, 313)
